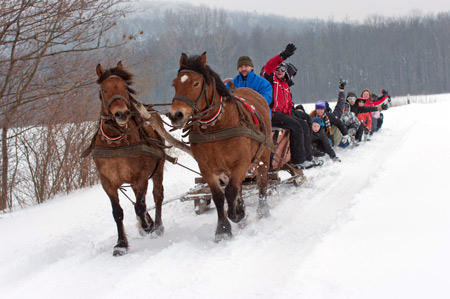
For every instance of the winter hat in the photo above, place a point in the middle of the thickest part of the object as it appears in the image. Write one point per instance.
(360, 100)
(291, 70)
(317, 120)
(352, 95)
(299, 106)
(321, 105)
(244, 60)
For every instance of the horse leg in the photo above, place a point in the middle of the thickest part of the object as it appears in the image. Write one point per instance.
(144, 219)
(236, 206)
(223, 230)
(262, 171)
(158, 196)
(122, 242)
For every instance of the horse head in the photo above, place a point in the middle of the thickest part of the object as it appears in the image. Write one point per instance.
(115, 93)
(191, 87)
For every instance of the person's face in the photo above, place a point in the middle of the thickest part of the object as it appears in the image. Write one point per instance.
(315, 127)
(280, 73)
(366, 94)
(245, 69)
(320, 111)
(360, 103)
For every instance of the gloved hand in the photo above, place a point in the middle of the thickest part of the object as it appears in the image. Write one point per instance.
(336, 159)
(384, 106)
(366, 131)
(342, 83)
(345, 138)
(288, 52)
(384, 92)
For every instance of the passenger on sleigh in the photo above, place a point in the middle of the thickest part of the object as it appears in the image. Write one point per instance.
(275, 72)
(247, 78)
(333, 126)
(320, 141)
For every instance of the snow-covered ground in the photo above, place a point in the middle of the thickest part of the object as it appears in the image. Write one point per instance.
(376, 225)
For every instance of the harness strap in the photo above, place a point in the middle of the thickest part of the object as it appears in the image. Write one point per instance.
(185, 99)
(131, 150)
(226, 133)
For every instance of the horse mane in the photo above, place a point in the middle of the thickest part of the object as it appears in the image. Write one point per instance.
(115, 71)
(194, 63)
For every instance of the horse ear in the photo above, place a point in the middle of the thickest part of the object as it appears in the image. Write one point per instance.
(203, 59)
(100, 71)
(119, 65)
(183, 59)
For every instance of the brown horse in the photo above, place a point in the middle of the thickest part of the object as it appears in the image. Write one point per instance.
(226, 136)
(127, 151)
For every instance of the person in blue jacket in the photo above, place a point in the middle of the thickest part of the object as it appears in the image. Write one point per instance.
(247, 78)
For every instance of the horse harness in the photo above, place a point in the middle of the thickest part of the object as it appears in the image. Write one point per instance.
(144, 148)
(251, 128)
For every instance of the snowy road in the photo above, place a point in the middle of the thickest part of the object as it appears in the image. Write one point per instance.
(376, 225)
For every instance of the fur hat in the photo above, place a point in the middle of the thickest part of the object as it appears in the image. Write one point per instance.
(244, 60)
(317, 120)
(321, 105)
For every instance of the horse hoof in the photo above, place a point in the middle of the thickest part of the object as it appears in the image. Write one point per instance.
(119, 251)
(145, 230)
(243, 223)
(263, 211)
(237, 216)
(224, 236)
(158, 231)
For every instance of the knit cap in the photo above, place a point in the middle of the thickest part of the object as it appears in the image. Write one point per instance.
(321, 105)
(244, 60)
(317, 120)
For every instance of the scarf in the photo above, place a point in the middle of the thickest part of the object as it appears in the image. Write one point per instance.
(327, 124)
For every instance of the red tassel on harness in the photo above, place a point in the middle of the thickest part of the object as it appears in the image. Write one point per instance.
(250, 108)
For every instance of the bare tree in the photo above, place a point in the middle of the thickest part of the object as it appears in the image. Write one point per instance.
(35, 36)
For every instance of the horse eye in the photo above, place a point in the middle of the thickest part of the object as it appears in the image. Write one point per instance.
(196, 84)
(103, 90)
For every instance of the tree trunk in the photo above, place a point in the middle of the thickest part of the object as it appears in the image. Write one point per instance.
(4, 198)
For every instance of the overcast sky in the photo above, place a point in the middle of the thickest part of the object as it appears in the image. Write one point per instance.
(337, 10)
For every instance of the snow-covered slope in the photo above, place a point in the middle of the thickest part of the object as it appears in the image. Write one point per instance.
(376, 225)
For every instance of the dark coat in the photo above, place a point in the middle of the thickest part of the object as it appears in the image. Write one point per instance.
(321, 142)
(364, 109)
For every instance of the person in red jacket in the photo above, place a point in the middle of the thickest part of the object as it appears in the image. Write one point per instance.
(377, 118)
(365, 118)
(275, 72)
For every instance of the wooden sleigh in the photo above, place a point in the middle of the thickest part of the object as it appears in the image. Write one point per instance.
(201, 194)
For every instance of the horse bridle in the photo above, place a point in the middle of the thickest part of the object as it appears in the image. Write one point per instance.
(204, 92)
(106, 105)
(113, 98)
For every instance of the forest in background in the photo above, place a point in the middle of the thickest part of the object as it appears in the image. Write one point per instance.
(49, 104)
(407, 55)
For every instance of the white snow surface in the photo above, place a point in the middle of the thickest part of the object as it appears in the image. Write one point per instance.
(376, 225)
